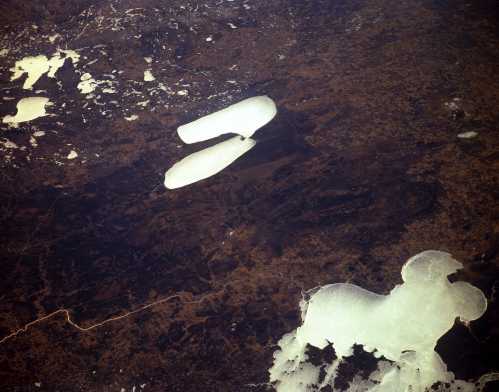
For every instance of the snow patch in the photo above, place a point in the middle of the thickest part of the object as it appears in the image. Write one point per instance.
(148, 76)
(87, 83)
(36, 66)
(467, 135)
(72, 155)
(28, 109)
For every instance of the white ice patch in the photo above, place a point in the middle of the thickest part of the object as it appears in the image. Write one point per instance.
(28, 109)
(8, 144)
(87, 83)
(36, 66)
(243, 118)
(148, 76)
(39, 133)
(53, 37)
(403, 326)
(467, 135)
(207, 162)
(72, 155)
(133, 117)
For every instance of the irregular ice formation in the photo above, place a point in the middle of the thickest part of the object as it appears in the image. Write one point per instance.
(207, 162)
(28, 109)
(36, 66)
(87, 83)
(243, 118)
(148, 76)
(403, 326)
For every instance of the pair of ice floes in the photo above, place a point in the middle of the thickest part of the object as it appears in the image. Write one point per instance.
(243, 118)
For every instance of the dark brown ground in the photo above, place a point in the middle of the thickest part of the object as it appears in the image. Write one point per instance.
(361, 169)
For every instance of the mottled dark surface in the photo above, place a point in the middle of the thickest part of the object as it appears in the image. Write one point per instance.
(361, 169)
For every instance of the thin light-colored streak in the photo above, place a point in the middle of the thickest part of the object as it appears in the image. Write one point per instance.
(93, 326)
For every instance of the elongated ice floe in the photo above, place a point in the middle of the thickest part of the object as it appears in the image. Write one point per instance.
(403, 326)
(28, 109)
(207, 162)
(243, 118)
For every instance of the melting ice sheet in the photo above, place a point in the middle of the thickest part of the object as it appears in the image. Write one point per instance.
(28, 109)
(403, 326)
(243, 118)
(207, 162)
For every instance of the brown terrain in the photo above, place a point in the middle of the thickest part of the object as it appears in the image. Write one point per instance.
(190, 289)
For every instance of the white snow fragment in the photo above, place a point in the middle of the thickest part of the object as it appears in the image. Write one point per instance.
(467, 135)
(232, 25)
(9, 145)
(33, 141)
(109, 90)
(243, 118)
(36, 66)
(133, 117)
(403, 326)
(28, 109)
(162, 87)
(209, 39)
(72, 155)
(148, 60)
(142, 386)
(133, 388)
(91, 62)
(143, 103)
(8, 98)
(207, 162)
(122, 389)
(4, 52)
(53, 37)
(39, 134)
(87, 83)
(38, 384)
(182, 92)
(148, 76)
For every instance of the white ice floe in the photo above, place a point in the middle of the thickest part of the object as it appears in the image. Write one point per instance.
(87, 83)
(72, 155)
(28, 109)
(148, 76)
(39, 133)
(8, 144)
(467, 135)
(207, 162)
(36, 66)
(133, 117)
(403, 326)
(242, 118)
